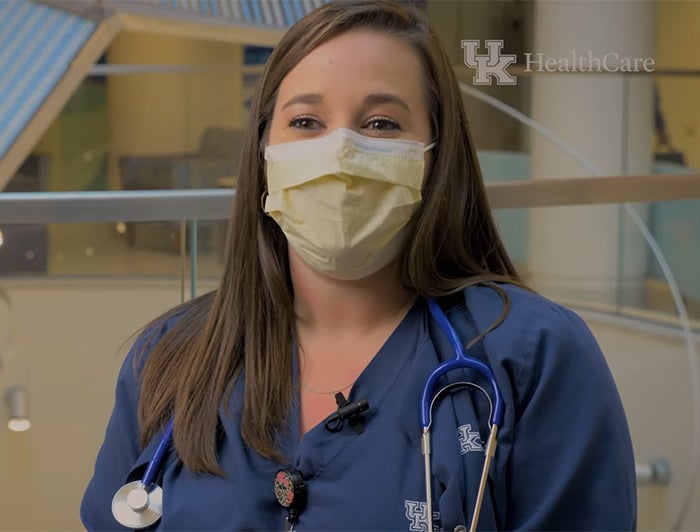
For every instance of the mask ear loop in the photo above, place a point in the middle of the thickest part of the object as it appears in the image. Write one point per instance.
(263, 198)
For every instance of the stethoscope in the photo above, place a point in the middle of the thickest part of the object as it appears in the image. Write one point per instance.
(139, 504)
(460, 361)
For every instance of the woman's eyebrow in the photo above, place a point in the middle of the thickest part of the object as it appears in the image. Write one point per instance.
(304, 98)
(370, 99)
(380, 98)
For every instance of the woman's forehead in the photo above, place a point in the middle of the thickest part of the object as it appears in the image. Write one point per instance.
(357, 60)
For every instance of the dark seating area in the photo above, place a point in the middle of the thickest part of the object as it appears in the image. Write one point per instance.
(216, 158)
(24, 247)
(215, 162)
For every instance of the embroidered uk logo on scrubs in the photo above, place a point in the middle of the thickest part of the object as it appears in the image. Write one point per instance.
(469, 440)
(417, 515)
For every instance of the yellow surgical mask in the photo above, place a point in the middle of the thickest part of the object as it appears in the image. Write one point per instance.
(344, 200)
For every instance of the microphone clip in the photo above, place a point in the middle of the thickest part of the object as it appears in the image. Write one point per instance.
(347, 411)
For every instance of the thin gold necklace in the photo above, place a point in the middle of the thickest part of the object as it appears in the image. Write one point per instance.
(324, 392)
(319, 392)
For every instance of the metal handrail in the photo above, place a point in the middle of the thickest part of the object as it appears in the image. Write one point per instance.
(116, 206)
(215, 204)
(593, 190)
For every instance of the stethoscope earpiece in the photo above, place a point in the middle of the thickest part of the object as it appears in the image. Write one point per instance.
(134, 506)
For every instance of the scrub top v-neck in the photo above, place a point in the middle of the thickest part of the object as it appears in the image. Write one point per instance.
(348, 476)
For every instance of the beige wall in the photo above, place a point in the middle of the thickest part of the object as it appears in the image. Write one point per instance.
(68, 354)
(165, 113)
(652, 372)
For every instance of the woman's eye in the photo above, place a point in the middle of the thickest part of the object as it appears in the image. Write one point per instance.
(303, 122)
(382, 124)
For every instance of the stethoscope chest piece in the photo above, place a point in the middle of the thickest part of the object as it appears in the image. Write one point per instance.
(134, 506)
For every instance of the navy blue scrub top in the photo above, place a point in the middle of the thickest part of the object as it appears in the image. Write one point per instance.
(564, 459)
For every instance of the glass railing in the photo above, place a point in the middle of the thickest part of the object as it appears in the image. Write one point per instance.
(111, 240)
(158, 234)
(121, 144)
(674, 225)
(113, 234)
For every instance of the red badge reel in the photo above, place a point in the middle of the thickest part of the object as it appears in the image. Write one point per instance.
(290, 492)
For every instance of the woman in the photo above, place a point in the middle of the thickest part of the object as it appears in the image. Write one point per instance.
(359, 197)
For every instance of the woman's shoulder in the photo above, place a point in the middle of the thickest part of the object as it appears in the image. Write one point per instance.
(560, 402)
(543, 350)
(535, 335)
(526, 313)
(157, 329)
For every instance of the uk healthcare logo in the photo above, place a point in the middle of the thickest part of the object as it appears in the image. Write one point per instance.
(491, 65)
(494, 64)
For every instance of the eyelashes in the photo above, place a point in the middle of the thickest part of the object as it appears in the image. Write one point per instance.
(376, 123)
(304, 122)
(383, 123)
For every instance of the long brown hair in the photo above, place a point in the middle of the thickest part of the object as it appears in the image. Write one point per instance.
(247, 325)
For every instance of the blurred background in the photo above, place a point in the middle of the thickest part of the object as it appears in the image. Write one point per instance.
(114, 115)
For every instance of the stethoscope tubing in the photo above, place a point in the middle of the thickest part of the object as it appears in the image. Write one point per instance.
(460, 361)
(154, 465)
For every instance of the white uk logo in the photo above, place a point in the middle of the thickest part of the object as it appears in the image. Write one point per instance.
(417, 515)
(491, 65)
(469, 440)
